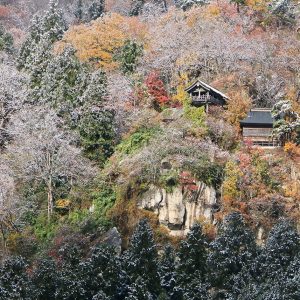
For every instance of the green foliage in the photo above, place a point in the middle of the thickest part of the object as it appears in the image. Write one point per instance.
(169, 180)
(128, 55)
(43, 229)
(97, 132)
(97, 123)
(195, 114)
(209, 172)
(103, 202)
(137, 140)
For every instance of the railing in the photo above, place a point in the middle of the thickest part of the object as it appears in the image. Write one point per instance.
(201, 98)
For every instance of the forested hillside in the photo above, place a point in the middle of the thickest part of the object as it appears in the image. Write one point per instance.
(115, 183)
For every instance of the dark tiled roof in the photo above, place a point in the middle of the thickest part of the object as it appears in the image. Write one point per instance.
(258, 116)
(206, 87)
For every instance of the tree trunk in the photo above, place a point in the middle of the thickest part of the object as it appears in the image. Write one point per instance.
(49, 186)
(50, 198)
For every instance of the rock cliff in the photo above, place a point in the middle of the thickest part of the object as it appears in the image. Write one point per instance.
(180, 208)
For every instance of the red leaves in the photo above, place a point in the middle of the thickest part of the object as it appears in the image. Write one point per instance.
(157, 90)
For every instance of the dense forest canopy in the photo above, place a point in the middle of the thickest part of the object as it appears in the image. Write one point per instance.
(113, 184)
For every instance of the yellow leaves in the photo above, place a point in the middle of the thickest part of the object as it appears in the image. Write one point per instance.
(181, 83)
(292, 149)
(258, 5)
(237, 106)
(230, 185)
(97, 42)
(62, 203)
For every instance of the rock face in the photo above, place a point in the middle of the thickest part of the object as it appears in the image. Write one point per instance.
(179, 209)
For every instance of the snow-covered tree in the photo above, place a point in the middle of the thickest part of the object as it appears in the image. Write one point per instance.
(96, 125)
(287, 125)
(140, 261)
(96, 9)
(136, 7)
(44, 151)
(234, 248)
(12, 96)
(192, 266)
(186, 4)
(44, 30)
(63, 83)
(6, 40)
(14, 281)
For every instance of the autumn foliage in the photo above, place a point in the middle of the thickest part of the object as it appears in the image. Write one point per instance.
(156, 90)
(98, 41)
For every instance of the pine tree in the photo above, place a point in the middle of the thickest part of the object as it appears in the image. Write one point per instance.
(139, 291)
(128, 56)
(53, 23)
(192, 267)
(96, 9)
(44, 280)
(102, 273)
(234, 248)
(96, 126)
(45, 29)
(70, 275)
(167, 272)
(136, 7)
(63, 82)
(79, 11)
(14, 281)
(283, 245)
(274, 273)
(141, 260)
(186, 4)
(6, 40)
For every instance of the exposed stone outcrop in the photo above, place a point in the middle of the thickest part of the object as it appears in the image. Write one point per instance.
(179, 209)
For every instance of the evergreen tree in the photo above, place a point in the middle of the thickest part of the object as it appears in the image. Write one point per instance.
(141, 260)
(128, 56)
(96, 9)
(192, 267)
(44, 280)
(70, 275)
(63, 82)
(45, 29)
(234, 248)
(14, 281)
(274, 273)
(186, 4)
(136, 7)
(139, 291)
(167, 272)
(6, 40)
(102, 274)
(53, 24)
(283, 245)
(96, 126)
(79, 12)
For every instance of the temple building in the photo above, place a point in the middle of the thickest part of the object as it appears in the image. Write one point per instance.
(203, 94)
(257, 127)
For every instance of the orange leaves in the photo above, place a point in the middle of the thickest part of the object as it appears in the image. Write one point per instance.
(97, 42)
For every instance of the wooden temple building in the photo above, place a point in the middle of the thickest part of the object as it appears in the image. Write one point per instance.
(257, 127)
(203, 94)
